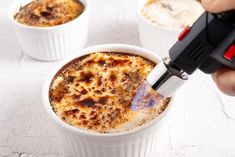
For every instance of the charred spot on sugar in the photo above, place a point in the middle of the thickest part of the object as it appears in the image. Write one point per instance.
(89, 102)
(86, 77)
(70, 79)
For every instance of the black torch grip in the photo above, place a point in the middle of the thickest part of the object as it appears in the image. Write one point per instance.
(227, 17)
(205, 44)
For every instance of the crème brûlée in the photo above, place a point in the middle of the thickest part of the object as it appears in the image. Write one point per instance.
(94, 92)
(173, 14)
(44, 13)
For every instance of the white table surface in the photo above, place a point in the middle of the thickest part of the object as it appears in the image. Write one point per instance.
(200, 124)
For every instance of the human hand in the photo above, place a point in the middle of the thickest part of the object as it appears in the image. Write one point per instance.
(224, 77)
(225, 80)
(216, 6)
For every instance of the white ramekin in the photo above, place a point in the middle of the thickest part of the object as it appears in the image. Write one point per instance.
(138, 142)
(156, 38)
(51, 43)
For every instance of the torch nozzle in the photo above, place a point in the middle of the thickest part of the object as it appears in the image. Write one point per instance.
(166, 77)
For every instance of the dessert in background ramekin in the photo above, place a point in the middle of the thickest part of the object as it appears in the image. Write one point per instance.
(45, 13)
(139, 141)
(160, 22)
(52, 42)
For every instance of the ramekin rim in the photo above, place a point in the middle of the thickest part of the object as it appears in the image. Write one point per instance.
(52, 114)
(61, 26)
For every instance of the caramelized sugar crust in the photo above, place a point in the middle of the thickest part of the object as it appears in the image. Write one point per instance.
(94, 92)
(42, 13)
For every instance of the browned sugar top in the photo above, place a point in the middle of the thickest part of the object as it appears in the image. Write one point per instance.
(43, 13)
(95, 91)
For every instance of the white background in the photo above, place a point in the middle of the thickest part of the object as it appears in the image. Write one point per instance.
(199, 124)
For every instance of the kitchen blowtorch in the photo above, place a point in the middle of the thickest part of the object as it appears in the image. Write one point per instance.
(207, 45)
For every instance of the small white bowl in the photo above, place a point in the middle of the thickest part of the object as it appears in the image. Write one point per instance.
(156, 38)
(138, 142)
(54, 42)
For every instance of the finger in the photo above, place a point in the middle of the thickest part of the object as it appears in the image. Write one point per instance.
(225, 80)
(216, 6)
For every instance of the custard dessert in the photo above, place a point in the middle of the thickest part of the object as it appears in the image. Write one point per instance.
(173, 14)
(94, 92)
(44, 13)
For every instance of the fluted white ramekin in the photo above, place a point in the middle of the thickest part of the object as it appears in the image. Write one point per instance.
(138, 142)
(54, 42)
(156, 38)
